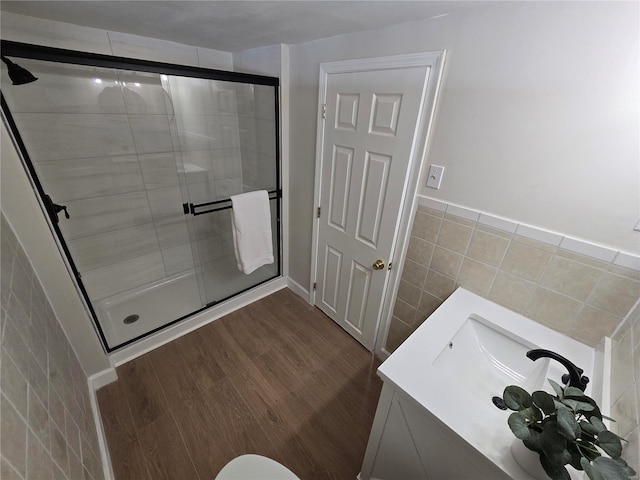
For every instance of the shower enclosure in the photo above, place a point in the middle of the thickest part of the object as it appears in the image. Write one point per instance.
(135, 162)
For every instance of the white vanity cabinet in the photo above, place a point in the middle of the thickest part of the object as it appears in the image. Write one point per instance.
(435, 417)
(409, 443)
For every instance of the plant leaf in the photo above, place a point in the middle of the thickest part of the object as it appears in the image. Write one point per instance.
(558, 404)
(516, 398)
(578, 406)
(554, 445)
(567, 425)
(592, 472)
(610, 443)
(533, 442)
(575, 455)
(574, 392)
(588, 450)
(588, 428)
(610, 469)
(597, 423)
(555, 472)
(544, 401)
(518, 424)
(533, 414)
(584, 399)
(628, 470)
(556, 388)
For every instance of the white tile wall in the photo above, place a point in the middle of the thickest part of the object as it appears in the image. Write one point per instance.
(114, 246)
(216, 59)
(151, 133)
(158, 170)
(20, 28)
(64, 88)
(95, 215)
(119, 277)
(142, 93)
(134, 46)
(58, 136)
(78, 178)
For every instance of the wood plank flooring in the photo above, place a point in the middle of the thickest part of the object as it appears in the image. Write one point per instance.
(276, 378)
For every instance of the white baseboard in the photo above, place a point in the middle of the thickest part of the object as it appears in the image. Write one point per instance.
(167, 335)
(100, 379)
(96, 382)
(382, 354)
(298, 289)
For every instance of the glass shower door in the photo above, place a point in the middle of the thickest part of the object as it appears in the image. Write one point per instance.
(227, 139)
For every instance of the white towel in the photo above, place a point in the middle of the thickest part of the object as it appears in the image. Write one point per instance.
(251, 225)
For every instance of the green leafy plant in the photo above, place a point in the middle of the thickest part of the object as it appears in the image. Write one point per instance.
(566, 429)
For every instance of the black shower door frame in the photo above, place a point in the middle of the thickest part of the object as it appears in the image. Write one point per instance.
(74, 57)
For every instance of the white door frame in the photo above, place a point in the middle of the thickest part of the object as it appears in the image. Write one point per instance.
(434, 61)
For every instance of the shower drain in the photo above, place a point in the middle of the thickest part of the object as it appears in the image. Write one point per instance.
(131, 319)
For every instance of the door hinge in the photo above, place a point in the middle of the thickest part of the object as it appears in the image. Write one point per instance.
(314, 286)
(318, 213)
(389, 267)
(324, 110)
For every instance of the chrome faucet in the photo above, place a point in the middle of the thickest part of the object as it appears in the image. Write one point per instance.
(574, 378)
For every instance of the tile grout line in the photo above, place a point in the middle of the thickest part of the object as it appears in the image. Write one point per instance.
(15, 470)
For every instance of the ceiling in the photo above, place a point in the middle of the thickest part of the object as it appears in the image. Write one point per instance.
(236, 25)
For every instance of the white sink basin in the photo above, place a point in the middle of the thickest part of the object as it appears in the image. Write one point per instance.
(484, 359)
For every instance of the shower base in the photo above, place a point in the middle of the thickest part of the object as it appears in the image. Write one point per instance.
(160, 303)
(156, 304)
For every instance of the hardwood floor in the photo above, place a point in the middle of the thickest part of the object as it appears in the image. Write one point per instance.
(277, 378)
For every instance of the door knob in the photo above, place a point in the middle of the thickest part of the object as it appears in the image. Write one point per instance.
(378, 265)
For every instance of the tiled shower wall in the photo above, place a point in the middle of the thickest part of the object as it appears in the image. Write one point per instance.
(578, 295)
(48, 430)
(625, 385)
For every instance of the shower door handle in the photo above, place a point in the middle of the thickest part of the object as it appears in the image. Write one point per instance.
(54, 209)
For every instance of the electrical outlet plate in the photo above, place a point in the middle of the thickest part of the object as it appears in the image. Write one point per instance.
(434, 178)
(637, 227)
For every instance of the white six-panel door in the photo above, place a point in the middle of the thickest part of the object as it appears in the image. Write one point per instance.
(369, 130)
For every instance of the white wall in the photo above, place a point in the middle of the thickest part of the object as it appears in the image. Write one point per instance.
(18, 200)
(259, 61)
(537, 120)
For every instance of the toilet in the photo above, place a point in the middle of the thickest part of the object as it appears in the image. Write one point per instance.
(255, 467)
